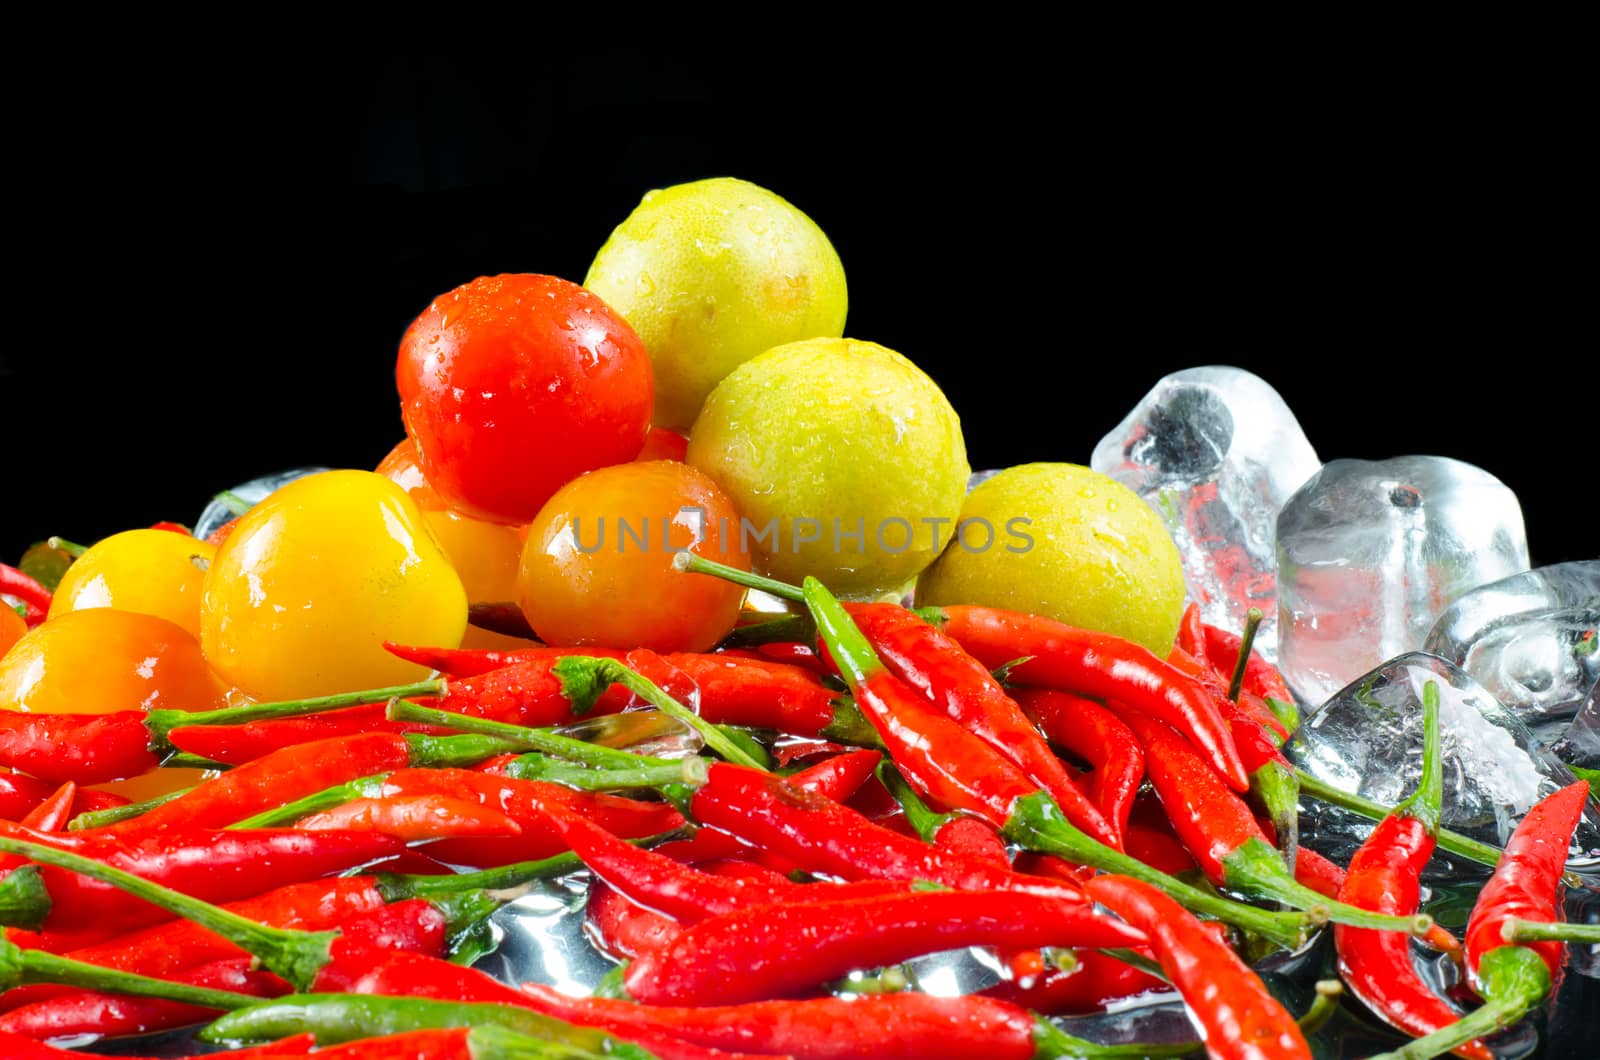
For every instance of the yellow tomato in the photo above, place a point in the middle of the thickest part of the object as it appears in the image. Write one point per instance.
(100, 661)
(303, 593)
(11, 627)
(485, 555)
(154, 572)
(156, 783)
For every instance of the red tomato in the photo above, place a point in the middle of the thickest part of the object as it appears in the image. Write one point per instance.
(512, 385)
(662, 444)
(597, 569)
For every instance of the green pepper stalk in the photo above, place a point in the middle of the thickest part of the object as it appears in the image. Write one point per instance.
(19, 966)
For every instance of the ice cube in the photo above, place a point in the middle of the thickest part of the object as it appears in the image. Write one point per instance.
(1367, 740)
(1370, 553)
(232, 503)
(1531, 640)
(1581, 745)
(1216, 452)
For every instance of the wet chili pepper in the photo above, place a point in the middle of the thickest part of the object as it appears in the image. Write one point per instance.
(86, 748)
(1241, 1019)
(415, 818)
(15, 583)
(623, 928)
(1384, 877)
(1222, 834)
(963, 772)
(52, 814)
(1058, 656)
(777, 950)
(1097, 980)
(20, 794)
(1095, 735)
(88, 1012)
(237, 745)
(905, 1026)
(1514, 943)
(1260, 676)
(215, 866)
(962, 687)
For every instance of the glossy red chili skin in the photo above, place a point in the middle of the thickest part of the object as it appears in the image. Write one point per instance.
(527, 802)
(1527, 884)
(939, 756)
(513, 385)
(1097, 736)
(237, 745)
(1096, 981)
(889, 1027)
(830, 838)
(442, 1044)
(780, 950)
(15, 583)
(276, 779)
(210, 865)
(82, 1012)
(1096, 664)
(20, 795)
(1376, 965)
(52, 814)
(1248, 705)
(926, 659)
(1211, 820)
(415, 818)
(1192, 634)
(621, 927)
(1241, 1020)
(84, 748)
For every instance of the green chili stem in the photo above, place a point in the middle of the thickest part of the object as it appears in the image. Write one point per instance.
(1516, 930)
(690, 563)
(287, 814)
(1247, 640)
(1254, 868)
(37, 966)
(1454, 842)
(522, 738)
(101, 818)
(161, 722)
(295, 955)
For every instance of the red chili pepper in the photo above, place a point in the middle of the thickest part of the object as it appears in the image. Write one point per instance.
(794, 653)
(685, 894)
(1514, 943)
(777, 950)
(415, 818)
(295, 772)
(963, 688)
(215, 866)
(1240, 1018)
(1095, 735)
(90, 1012)
(1221, 833)
(53, 813)
(1526, 885)
(906, 1026)
(624, 929)
(237, 745)
(968, 837)
(1247, 705)
(1192, 634)
(171, 527)
(1260, 676)
(1384, 877)
(20, 794)
(445, 1044)
(15, 583)
(1097, 664)
(830, 838)
(1096, 981)
(85, 748)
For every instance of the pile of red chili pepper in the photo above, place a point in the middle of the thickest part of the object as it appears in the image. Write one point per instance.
(873, 784)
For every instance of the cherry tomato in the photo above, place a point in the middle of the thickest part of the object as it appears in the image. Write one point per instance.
(312, 581)
(485, 555)
(101, 660)
(662, 444)
(512, 385)
(154, 572)
(12, 627)
(596, 569)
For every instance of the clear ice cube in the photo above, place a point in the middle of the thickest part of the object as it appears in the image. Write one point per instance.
(1216, 452)
(1580, 746)
(1370, 553)
(1531, 640)
(232, 503)
(1367, 740)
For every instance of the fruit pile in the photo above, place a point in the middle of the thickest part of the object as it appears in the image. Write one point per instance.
(628, 602)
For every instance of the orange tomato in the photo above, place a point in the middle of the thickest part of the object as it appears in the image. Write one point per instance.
(102, 660)
(12, 627)
(597, 568)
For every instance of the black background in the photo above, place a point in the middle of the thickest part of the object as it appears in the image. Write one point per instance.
(214, 257)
